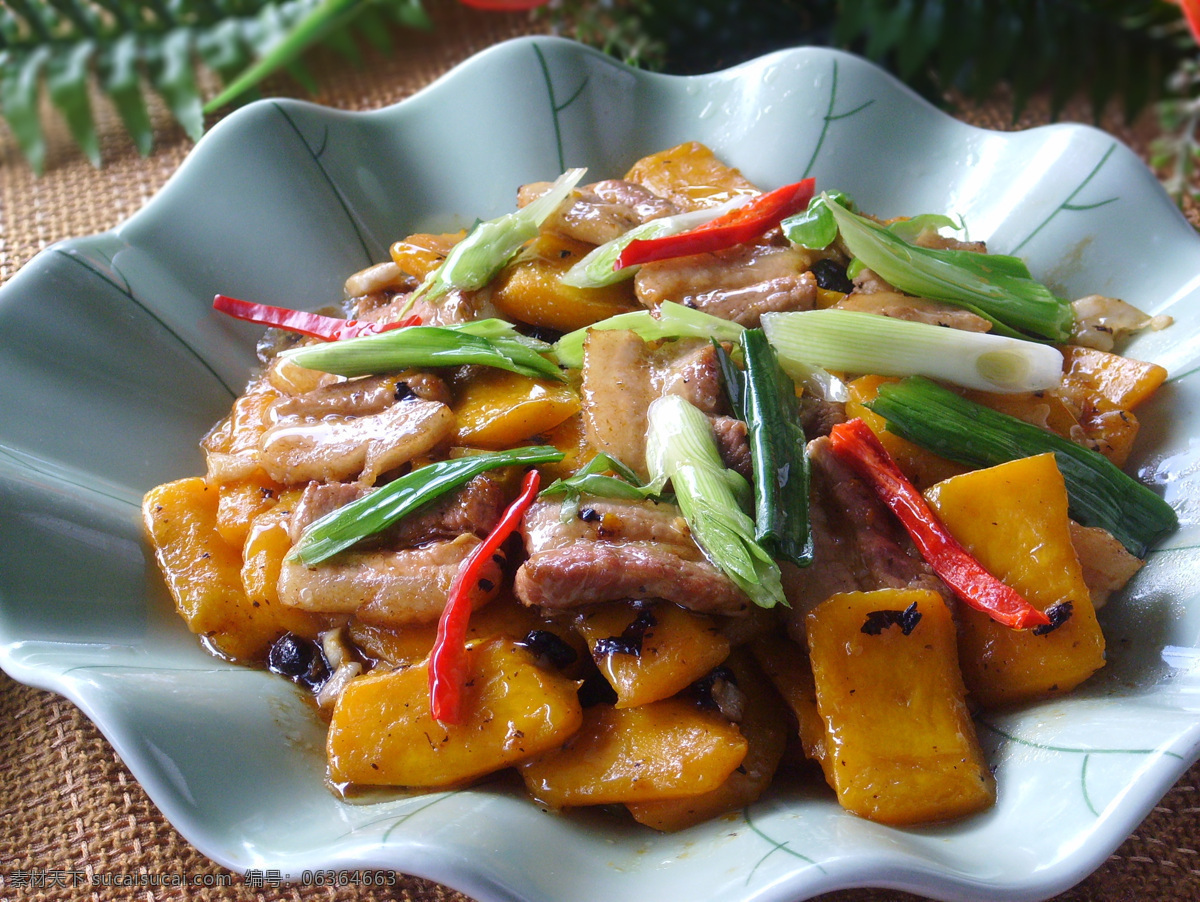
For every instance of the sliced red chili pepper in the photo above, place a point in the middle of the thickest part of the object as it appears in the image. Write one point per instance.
(327, 328)
(738, 226)
(855, 443)
(448, 660)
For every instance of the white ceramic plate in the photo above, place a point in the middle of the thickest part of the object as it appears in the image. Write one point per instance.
(113, 367)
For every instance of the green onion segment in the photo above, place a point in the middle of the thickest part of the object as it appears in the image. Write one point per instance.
(955, 428)
(596, 269)
(997, 287)
(489, 342)
(680, 447)
(669, 320)
(765, 399)
(377, 510)
(854, 342)
(473, 262)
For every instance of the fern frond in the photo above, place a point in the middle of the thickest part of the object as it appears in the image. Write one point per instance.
(124, 47)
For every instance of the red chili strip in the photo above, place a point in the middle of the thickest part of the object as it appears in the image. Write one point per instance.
(738, 226)
(855, 443)
(327, 328)
(448, 660)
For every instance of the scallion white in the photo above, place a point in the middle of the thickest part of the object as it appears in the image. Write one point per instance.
(473, 262)
(680, 448)
(669, 320)
(854, 342)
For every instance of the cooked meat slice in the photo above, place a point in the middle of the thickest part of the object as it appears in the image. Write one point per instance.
(603, 520)
(931, 239)
(603, 211)
(738, 284)
(336, 449)
(689, 368)
(920, 310)
(348, 398)
(319, 499)
(395, 588)
(604, 571)
(867, 281)
(1107, 564)
(472, 509)
(857, 543)
(616, 391)
(377, 279)
(818, 417)
(475, 508)
(622, 375)
(615, 550)
(733, 443)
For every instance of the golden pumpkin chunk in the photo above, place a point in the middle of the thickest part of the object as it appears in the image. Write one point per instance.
(901, 746)
(763, 723)
(530, 290)
(690, 176)
(498, 409)
(786, 665)
(204, 573)
(420, 254)
(665, 750)
(240, 501)
(267, 543)
(676, 648)
(1119, 383)
(382, 732)
(1013, 518)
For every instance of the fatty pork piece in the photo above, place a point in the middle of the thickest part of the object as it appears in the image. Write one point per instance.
(402, 576)
(738, 284)
(358, 428)
(622, 375)
(603, 211)
(617, 550)
(858, 545)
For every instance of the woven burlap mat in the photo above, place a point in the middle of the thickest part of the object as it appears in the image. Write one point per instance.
(70, 809)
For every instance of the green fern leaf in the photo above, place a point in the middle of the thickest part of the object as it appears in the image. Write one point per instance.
(20, 89)
(117, 70)
(124, 47)
(67, 79)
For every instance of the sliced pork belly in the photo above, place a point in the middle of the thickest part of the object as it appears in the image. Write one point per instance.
(338, 448)
(858, 545)
(615, 550)
(603, 211)
(919, 310)
(395, 588)
(738, 284)
(622, 375)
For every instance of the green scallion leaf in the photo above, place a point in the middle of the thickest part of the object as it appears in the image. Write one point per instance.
(485, 342)
(997, 287)
(771, 412)
(853, 342)
(955, 428)
(680, 447)
(340, 529)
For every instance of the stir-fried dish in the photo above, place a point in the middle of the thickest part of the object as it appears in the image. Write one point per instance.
(661, 486)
